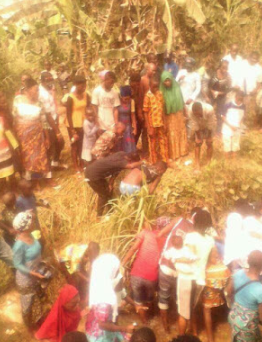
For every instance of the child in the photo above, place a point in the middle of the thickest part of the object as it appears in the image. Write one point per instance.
(217, 275)
(90, 129)
(126, 115)
(144, 272)
(8, 215)
(231, 129)
(154, 115)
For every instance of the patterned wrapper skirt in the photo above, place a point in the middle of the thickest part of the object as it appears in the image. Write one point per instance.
(244, 324)
(29, 290)
(34, 155)
(177, 135)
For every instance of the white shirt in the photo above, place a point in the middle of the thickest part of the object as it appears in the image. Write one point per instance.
(201, 245)
(184, 270)
(190, 84)
(252, 74)
(106, 102)
(48, 101)
(235, 70)
(234, 116)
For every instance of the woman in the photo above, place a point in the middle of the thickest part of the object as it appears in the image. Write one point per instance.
(29, 123)
(103, 301)
(246, 312)
(64, 316)
(176, 127)
(126, 115)
(27, 257)
(7, 140)
(220, 86)
(76, 105)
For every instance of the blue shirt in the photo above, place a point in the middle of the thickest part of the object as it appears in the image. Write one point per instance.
(250, 296)
(172, 67)
(22, 253)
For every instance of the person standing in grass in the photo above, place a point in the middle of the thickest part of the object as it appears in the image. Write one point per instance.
(144, 271)
(231, 129)
(246, 289)
(76, 107)
(203, 127)
(91, 129)
(175, 120)
(126, 115)
(106, 102)
(155, 121)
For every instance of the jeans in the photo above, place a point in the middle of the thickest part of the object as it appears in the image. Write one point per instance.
(101, 187)
(6, 253)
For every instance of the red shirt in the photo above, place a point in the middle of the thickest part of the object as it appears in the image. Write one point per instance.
(147, 259)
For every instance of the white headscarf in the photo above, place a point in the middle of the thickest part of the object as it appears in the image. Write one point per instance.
(102, 282)
(22, 221)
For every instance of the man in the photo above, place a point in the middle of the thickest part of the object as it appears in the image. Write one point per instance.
(203, 126)
(97, 172)
(143, 89)
(235, 67)
(63, 78)
(106, 102)
(47, 98)
(134, 82)
(170, 65)
(107, 141)
(48, 68)
(189, 81)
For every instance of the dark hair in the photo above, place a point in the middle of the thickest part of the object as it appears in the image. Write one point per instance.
(75, 336)
(195, 210)
(196, 106)
(155, 80)
(24, 183)
(186, 338)
(135, 77)
(78, 79)
(240, 93)
(255, 259)
(45, 75)
(223, 61)
(244, 208)
(161, 164)
(110, 75)
(26, 74)
(94, 246)
(150, 57)
(143, 335)
(202, 221)
(254, 53)
(30, 83)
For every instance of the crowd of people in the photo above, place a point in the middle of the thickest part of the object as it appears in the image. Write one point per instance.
(144, 127)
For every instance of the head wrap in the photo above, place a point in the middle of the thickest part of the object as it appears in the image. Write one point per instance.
(125, 91)
(102, 281)
(173, 96)
(60, 321)
(22, 221)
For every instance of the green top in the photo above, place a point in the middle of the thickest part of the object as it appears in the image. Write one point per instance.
(173, 95)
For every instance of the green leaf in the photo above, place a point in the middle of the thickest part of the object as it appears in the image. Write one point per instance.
(194, 11)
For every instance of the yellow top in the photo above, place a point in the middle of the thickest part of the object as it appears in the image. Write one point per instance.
(78, 113)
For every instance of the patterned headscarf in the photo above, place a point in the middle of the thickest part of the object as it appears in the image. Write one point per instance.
(22, 221)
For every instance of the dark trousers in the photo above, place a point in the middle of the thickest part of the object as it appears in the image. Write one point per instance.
(56, 146)
(142, 131)
(101, 187)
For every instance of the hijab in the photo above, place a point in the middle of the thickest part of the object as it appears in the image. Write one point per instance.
(173, 96)
(60, 321)
(103, 281)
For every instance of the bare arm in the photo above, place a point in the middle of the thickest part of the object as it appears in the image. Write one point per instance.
(69, 111)
(154, 184)
(116, 114)
(167, 229)
(131, 252)
(133, 165)
(109, 326)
